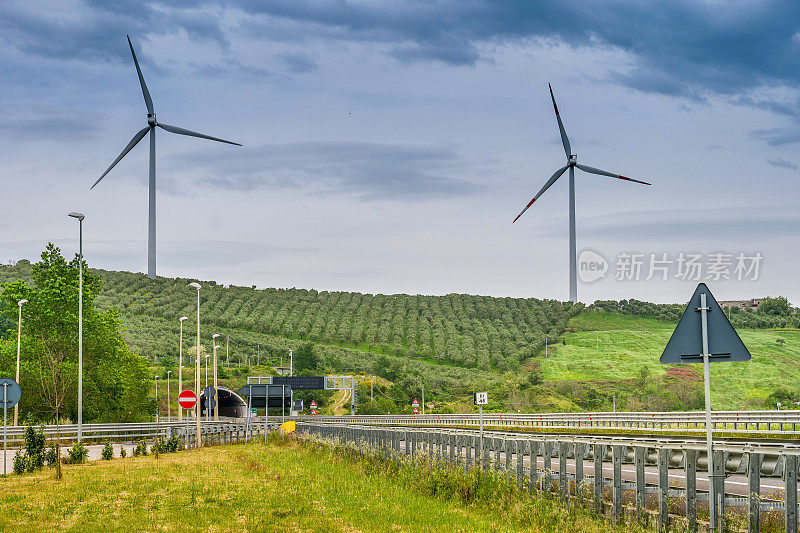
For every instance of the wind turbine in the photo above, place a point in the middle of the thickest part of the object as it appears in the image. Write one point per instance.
(151, 128)
(572, 162)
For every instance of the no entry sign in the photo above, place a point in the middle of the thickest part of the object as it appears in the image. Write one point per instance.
(187, 399)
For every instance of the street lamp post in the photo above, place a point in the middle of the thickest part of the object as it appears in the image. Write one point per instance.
(19, 341)
(80, 217)
(155, 379)
(169, 405)
(216, 393)
(180, 366)
(214, 344)
(197, 368)
(208, 403)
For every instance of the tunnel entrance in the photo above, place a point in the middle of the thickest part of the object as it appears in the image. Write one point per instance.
(230, 404)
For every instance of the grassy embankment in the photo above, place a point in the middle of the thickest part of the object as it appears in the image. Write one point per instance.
(627, 344)
(265, 488)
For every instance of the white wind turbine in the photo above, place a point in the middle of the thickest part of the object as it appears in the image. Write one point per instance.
(151, 128)
(572, 162)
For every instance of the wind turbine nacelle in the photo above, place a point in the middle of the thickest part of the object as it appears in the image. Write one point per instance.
(151, 119)
(573, 158)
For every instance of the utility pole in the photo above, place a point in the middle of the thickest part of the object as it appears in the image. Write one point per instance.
(80, 217)
(227, 354)
(197, 368)
(423, 399)
(545, 346)
(180, 371)
(19, 342)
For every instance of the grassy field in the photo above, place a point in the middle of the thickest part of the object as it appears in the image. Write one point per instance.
(287, 487)
(627, 344)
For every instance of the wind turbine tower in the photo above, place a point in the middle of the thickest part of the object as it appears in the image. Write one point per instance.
(152, 124)
(572, 163)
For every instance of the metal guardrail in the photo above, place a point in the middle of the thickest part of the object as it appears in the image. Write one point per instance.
(740, 421)
(118, 432)
(459, 448)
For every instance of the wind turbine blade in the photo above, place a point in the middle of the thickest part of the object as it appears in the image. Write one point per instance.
(564, 138)
(147, 100)
(593, 170)
(181, 131)
(547, 185)
(136, 138)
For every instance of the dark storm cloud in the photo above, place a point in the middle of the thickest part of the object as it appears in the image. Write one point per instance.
(368, 171)
(686, 48)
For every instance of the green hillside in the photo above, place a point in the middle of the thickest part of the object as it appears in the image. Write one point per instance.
(618, 353)
(451, 345)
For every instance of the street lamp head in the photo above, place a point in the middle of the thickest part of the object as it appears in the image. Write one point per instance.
(195, 285)
(169, 372)
(215, 335)
(22, 302)
(207, 356)
(217, 346)
(75, 214)
(183, 318)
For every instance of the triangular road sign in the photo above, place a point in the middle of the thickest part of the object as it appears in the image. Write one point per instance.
(686, 343)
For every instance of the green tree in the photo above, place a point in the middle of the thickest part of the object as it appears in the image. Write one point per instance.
(775, 306)
(114, 387)
(306, 360)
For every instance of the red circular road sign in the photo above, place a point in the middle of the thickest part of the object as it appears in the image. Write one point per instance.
(313, 405)
(187, 399)
(313, 412)
(415, 403)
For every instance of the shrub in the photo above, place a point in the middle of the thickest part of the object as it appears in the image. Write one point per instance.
(172, 445)
(19, 463)
(140, 449)
(122, 452)
(50, 456)
(78, 453)
(108, 452)
(34, 448)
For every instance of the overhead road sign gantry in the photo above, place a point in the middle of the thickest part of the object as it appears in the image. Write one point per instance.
(705, 334)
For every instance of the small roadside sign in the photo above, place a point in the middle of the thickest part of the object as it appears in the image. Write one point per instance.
(313, 404)
(416, 410)
(209, 392)
(313, 412)
(415, 403)
(187, 399)
(481, 398)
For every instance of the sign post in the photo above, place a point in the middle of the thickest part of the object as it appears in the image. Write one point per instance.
(481, 399)
(716, 341)
(11, 396)
(186, 400)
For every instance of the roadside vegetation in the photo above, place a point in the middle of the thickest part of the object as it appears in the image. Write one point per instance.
(281, 486)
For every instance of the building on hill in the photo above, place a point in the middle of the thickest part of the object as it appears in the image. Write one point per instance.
(741, 304)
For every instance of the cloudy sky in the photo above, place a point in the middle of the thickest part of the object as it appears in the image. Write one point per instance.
(389, 145)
